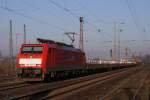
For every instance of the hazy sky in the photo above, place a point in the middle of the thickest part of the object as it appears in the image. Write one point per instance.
(51, 18)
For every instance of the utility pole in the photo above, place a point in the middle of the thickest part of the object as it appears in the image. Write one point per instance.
(11, 45)
(81, 45)
(114, 40)
(17, 34)
(24, 34)
(119, 31)
(119, 44)
(126, 53)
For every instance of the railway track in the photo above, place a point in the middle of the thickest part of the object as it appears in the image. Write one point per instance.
(132, 87)
(13, 85)
(60, 88)
(140, 87)
(7, 78)
(69, 90)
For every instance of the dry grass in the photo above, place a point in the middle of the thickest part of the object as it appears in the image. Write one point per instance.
(5, 68)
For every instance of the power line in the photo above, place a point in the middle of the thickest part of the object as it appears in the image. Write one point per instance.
(30, 5)
(73, 14)
(63, 8)
(31, 18)
(135, 21)
(132, 15)
(70, 12)
(93, 14)
(37, 8)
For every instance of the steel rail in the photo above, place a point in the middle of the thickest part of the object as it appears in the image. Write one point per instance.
(61, 88)
(58, 93)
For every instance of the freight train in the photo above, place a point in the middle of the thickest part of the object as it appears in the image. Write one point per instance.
(50, 59)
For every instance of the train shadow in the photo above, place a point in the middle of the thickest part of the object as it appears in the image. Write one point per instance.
(34, 82)
(40, 96)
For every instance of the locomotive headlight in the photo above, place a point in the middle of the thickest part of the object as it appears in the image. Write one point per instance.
(30, 62)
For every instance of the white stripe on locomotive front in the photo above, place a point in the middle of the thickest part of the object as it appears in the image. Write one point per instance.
(30, 61)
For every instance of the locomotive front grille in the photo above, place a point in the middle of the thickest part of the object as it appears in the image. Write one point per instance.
(30, 72)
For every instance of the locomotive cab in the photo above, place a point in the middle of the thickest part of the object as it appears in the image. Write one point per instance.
(30, 59)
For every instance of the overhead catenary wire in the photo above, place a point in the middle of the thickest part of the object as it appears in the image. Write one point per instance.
(136, 22)
(73, 14)
(36, 7)
(63, 8)
(31, 18)
(30, 5)
(134, 19)
(132, 15)
(98, 30)
(93, 14)
(70, 12)
(67, 10)
(93, 28)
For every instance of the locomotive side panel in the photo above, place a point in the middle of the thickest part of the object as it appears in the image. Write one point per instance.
(61, 60)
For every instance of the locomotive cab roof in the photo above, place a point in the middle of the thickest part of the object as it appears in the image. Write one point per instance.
(53, 42)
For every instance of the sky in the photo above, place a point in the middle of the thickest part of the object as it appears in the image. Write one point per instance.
(50, 19)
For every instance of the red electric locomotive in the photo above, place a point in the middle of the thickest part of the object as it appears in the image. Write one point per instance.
(49, 59)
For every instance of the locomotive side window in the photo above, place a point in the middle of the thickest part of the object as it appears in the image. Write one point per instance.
(32, 49)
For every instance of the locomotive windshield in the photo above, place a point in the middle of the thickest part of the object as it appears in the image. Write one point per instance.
(32, 49)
